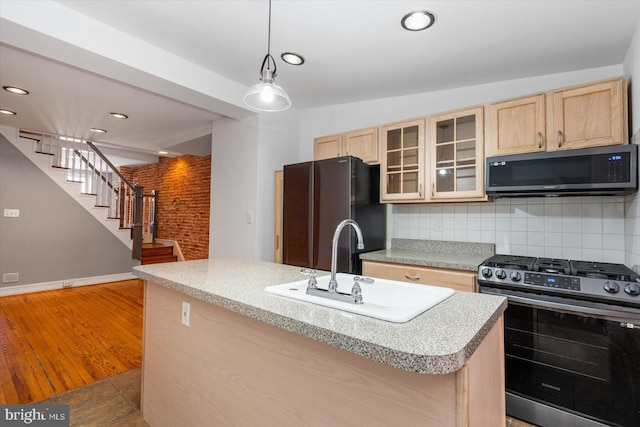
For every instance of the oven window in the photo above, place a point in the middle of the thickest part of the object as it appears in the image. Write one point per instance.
(582, 364)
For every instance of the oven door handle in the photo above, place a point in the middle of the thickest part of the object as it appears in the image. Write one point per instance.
(629, 319)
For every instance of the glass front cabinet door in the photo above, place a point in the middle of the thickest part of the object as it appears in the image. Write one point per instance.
(402, 165)
(456, 158)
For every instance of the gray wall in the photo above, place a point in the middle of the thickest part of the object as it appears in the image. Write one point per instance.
(54, 238)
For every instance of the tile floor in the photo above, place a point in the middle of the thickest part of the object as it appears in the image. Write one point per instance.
(112, 402)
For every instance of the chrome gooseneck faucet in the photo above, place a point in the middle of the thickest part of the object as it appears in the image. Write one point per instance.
(333, 284)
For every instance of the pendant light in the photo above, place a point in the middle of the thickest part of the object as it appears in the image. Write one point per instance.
(267, 95)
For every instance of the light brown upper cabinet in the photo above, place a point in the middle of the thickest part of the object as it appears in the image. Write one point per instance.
(456, 161)
(402, 163)
(517, 126)
(362, 143)
(327, 147)
(588, 116)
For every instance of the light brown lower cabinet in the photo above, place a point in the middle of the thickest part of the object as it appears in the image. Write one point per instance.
(454, 279)
(230, 369)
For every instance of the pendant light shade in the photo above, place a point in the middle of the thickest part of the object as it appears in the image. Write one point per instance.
(267, 95)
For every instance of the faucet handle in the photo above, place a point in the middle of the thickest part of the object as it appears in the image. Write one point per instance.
(356, 293)
(312, 277)
(367, 280)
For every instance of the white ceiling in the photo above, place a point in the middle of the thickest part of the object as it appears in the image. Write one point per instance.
(354, 50)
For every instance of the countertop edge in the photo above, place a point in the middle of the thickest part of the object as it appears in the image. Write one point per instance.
(396, 257)
(422, 364)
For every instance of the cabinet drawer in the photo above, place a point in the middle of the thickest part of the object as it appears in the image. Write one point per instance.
(454, 279)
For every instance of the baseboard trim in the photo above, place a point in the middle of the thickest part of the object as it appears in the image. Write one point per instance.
(67, 283)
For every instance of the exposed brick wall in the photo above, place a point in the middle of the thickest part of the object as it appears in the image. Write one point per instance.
(183, 186)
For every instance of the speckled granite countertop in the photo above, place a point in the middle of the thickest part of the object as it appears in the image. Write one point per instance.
(439, 341)
(434, 253)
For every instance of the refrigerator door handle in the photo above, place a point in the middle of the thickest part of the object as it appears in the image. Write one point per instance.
(312, 263)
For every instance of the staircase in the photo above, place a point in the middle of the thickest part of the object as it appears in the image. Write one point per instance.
(100, 184)
(155, 253)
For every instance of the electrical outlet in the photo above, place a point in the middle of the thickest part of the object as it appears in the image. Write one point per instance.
(438, 225)
(67, 284)
(186, 313)
(250, 217)
(12, 213)
(9, 277)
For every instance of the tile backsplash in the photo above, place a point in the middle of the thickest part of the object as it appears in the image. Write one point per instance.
(581, 228)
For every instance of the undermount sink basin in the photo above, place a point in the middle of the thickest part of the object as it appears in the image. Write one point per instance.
(384, 299)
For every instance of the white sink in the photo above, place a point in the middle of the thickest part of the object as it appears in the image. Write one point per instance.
(384, 299)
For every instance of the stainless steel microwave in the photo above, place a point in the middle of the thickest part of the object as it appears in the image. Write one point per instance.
(610, 170)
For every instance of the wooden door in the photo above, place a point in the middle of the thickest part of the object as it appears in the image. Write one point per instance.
(588, 116)
(277, 216)
(327, 147)
(517, 126)
(402, 166)
(363, 144)
(457, 155)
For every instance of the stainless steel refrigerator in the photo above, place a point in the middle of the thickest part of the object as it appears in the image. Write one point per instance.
(317, 196)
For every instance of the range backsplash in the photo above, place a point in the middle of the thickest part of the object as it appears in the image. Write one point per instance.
(583, 228)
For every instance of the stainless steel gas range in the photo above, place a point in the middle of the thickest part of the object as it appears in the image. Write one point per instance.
(572, 340)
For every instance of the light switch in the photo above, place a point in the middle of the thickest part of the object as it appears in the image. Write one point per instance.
(250, 217)
(12, 213)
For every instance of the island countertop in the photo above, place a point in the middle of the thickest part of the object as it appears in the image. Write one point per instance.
(439, 341)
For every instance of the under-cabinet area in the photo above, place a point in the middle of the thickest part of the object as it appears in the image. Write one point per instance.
(441, 157)
(429, 262)
(454, 279)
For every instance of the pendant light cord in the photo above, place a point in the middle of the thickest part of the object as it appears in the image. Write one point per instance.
(269, 34)
(268, 59)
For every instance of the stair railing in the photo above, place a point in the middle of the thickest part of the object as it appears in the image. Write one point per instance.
(98, 177)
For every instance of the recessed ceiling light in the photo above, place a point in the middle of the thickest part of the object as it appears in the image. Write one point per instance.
(119, 116)
(418, 20)
(292, 58)
(16, 90)
(97, 130)
(8, 112)
(163, 152)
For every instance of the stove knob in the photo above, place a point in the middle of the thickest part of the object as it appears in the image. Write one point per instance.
(515, 276)
(611, 287)
(632, 289)
(486, 273)
(501, 274)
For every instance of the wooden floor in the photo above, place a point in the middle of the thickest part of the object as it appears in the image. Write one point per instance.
(55, 341)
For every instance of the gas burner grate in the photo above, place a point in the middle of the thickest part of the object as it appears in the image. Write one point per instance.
(552, 265)
(513, 262)
(603, 270)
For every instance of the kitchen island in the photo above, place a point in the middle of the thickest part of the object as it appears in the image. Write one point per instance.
(252, 358)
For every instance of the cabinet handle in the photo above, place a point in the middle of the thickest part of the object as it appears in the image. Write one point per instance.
(559, 138)
(539, 140)
(419, 190)
(433, 189)
(414, 278)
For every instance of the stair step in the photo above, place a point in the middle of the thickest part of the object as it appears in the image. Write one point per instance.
(43, 152)
(158, 259)
(156, 250)
(59, 167)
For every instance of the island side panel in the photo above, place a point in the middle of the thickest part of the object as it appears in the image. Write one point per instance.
(229, 369)
(485, 380)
